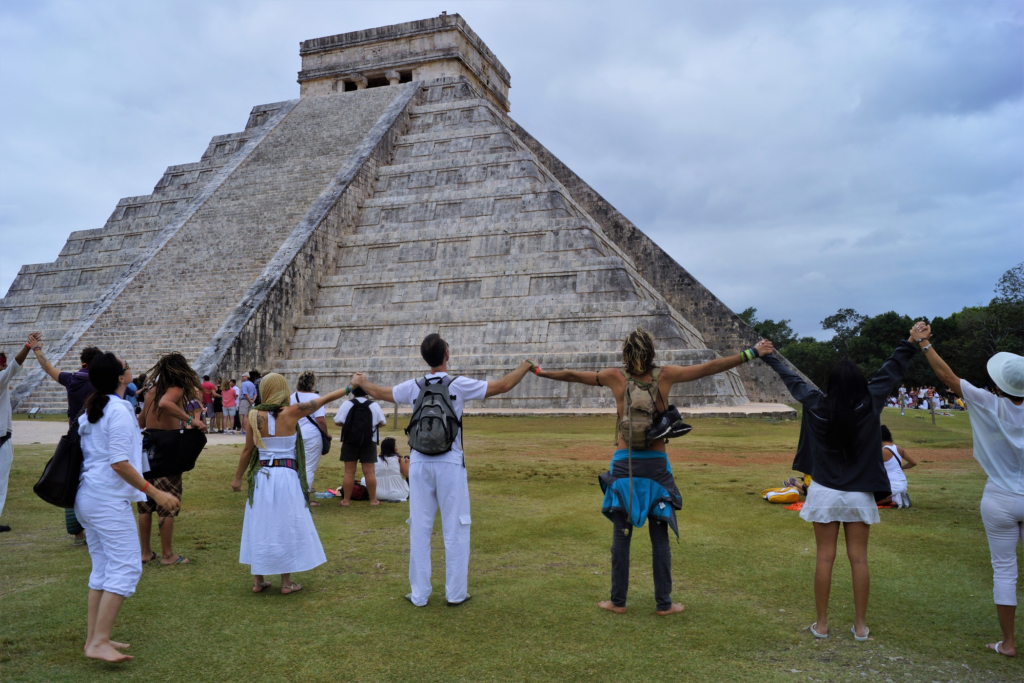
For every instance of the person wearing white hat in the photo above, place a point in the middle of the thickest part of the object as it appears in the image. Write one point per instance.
(997, 422)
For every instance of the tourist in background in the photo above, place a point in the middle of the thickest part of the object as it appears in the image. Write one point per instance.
(79, 388)
(997, 423)
(896, 460)
(218, 406)
(7, 373)
(641, 457)
(392, 472)
(110, 481)
(208, 390)
(246, 400)
(174, 384)
(278, 535)
(439, 481)
(140, 394)
(312, 426)
(229, 395)
(360, 420)
(844, 438)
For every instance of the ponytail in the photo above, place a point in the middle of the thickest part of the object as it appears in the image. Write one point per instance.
(105, 372)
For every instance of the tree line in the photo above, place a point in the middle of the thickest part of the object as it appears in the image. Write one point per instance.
(966, 339)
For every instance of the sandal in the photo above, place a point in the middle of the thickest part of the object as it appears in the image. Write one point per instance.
(860, 639)
(995, 648)
(151, 558)
(292, 588)
(260, 587)
(181, 560)
(814, 633)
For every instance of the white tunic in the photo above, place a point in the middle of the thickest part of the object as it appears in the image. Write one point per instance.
(894, 468)
(391, 485)
(278, 534)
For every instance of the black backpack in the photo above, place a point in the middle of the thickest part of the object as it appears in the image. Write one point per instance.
(434, 425)
(358, 428)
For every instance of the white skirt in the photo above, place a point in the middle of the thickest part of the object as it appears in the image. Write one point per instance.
(278, 535)
(826, 505)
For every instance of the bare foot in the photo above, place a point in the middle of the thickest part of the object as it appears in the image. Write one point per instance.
(314, 504)
(610, 606)
(290, 588)
(676, 607)
(120, 646)
(343, 504)
(107, 652)
(1001, 648)
(374, 502)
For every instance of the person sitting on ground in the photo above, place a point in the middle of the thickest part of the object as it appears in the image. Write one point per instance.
(79, 389)
(997, 424)
(110, 481)
(392, 472)
(312, 427)
(641, 391)
(841, 438)
(896, 460)
(173, 385)
(278, 535)
(439, 480)
(360, 420)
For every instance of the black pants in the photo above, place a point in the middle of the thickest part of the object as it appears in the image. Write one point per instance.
(661, 555)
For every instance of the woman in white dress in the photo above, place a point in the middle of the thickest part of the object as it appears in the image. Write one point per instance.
(896, 460)
(312, 426)
(392, 472)
(111, 480)
(278, 535)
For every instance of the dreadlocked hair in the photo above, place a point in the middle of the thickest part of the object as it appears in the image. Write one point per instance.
(638, 352)
(172, 370)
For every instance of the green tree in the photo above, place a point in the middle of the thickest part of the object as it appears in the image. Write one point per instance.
(778, 333)
(846, 324)
(813, 358)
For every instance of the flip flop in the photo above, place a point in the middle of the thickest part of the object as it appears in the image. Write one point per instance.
(995, 648)
(181, 560)
(859, 639)
(153, 557)
(821, 636)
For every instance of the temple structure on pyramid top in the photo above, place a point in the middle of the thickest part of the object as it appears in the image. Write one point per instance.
(395, 197)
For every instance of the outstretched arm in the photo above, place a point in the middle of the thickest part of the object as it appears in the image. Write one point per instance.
(305, 408)
(689, 373)
(45, 364)
(509, 381)
(939, 366)
(375, 390)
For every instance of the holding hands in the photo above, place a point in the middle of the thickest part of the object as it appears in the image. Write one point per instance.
(764, 348)
(921, 331)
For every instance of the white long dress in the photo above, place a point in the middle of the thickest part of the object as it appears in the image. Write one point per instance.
(391, 485)
(278, 534)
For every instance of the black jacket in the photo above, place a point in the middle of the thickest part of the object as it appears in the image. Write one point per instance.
(865, 471)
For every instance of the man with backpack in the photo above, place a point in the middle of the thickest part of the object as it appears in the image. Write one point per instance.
(437, 466)
(360, 421)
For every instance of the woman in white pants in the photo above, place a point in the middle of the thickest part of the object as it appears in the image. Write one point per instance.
(111, 479)
(311, 426)
(998, 426)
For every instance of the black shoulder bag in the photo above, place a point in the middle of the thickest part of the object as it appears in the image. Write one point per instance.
(325, 438)
(59, 483)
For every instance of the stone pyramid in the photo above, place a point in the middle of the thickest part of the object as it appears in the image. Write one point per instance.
(394, 198)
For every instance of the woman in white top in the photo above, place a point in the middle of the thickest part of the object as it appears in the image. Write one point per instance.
(111, 480)
(278, 535)
(997, 423)
(392, 472)
(312, 426)
(896, 459)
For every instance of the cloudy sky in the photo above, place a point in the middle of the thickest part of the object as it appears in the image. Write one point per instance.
(797, 157)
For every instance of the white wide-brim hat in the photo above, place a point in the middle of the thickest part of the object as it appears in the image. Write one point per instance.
(1007, 371)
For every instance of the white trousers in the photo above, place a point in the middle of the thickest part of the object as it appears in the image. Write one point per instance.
(1003, 515)
(6, 458)
(431, 486)
(113, 542)
(312, 444)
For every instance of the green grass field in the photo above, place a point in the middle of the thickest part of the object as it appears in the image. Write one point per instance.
(540, 563)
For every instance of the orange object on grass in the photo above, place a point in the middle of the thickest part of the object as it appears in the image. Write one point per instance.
(795, 506)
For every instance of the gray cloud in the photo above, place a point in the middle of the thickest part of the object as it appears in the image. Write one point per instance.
(797, 157)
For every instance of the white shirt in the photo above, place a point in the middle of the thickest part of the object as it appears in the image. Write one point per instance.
(998, 428)
(6, 374)
(115, 438)
(462, 389)
(894, 468)
(309, 429)
(376, 415)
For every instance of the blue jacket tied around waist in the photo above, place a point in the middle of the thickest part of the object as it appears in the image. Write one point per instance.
(654, 489)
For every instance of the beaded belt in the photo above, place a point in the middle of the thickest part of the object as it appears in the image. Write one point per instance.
(290, 463)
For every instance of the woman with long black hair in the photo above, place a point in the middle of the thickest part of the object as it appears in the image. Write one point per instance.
(841, 448)
(111, 480)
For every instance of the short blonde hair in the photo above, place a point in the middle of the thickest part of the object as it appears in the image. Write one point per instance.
(638, 352)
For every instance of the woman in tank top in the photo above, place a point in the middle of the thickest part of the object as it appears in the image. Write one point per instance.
(896, 460)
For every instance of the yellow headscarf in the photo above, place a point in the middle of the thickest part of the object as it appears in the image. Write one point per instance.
(274, 396)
